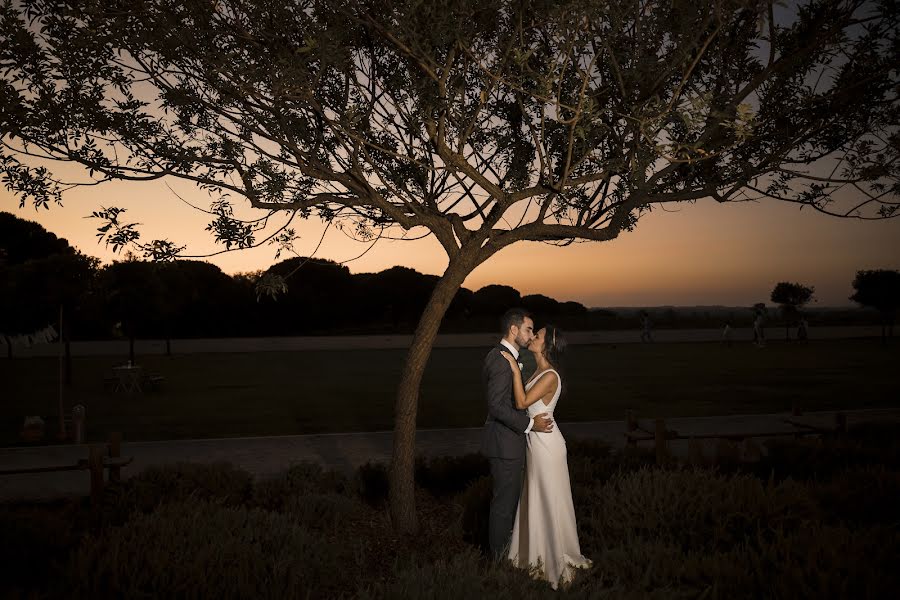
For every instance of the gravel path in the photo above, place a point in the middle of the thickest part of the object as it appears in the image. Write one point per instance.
(265, 456)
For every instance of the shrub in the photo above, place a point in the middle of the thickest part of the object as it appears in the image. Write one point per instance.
(476, 505)
(693, 508)
(820, 457)
(450, 474)
(693, 533)
(199, 549)
(34, 541)
(464, 575)
(588, 448)
(155, 485)
(372, 483)
(823, 561)
(301, 479)
(323, 511)
(863, 496)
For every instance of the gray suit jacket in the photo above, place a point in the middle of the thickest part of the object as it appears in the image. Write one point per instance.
(504, 429)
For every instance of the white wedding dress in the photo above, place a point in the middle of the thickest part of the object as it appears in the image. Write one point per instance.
(544, 530)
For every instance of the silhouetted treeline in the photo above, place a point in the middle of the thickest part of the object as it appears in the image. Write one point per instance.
(42, 275)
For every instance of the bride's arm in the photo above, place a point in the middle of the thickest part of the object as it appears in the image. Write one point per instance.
(544, 385)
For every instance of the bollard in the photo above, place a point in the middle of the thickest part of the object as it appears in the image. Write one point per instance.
(632, 426)
(115, 451)
(78, 413)
(840, 424)
(95, 465)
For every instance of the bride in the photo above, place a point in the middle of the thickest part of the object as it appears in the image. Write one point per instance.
(544, 532)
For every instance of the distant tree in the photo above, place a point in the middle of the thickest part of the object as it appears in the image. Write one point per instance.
(879, 289)
(572, 308)
(22, 240)
(35, 293)
(135, 297)
(321, 297)
(200, 301)
(492, 300)
(542, 306)
(482, 123)
(41, 275)
(397, 295)
(791, 298)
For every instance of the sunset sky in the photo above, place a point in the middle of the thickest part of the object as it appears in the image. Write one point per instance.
(701, 254)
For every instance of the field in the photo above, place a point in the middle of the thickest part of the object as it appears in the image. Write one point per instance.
(275, 393)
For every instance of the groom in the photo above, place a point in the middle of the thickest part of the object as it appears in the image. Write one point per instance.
(506, 427)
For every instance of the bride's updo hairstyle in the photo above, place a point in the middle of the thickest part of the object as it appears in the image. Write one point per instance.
(554, 345)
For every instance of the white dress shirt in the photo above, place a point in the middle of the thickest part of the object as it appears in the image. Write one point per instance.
(515, 352)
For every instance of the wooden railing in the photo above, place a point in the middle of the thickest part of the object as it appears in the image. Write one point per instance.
(660, 434)
(99, 458)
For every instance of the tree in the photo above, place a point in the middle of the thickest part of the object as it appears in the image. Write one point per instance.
(791, 297)
(135, 297)
(541, 305)
(879, 289)
(22, 240)
(40, 276)
(482, 123)
(319, 298)
(492, 300)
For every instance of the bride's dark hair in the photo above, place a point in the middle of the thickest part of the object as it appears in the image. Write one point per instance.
(554, 345)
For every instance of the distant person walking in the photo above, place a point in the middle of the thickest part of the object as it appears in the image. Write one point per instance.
(759, 334)
(727, 334)
(803, 330)
(646, 325)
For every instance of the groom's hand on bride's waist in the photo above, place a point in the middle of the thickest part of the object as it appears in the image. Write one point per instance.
(543, 423)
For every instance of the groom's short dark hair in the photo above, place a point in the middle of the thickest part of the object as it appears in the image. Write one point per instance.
(514, 316)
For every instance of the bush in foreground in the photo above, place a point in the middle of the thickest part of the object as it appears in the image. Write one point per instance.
(200, 549)
(194, 530)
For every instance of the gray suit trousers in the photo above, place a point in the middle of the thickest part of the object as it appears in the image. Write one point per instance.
(507, 476)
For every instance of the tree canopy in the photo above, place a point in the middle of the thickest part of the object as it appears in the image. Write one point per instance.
(879, 289)
(491, 120)
(791, 297)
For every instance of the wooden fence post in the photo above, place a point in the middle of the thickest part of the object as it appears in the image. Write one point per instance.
(95, 464)
(631, 425)
(840, 424)
(661, 449)
(115, 451)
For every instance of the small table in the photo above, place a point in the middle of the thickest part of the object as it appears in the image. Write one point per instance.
(128, 378)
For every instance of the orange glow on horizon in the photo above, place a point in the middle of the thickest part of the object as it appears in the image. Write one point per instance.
(701, 254)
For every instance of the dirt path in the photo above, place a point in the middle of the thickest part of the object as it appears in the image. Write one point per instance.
(265, 456)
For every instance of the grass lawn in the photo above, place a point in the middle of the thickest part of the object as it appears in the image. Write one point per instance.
(275, 393)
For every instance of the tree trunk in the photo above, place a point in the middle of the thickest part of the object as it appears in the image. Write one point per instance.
(68, 361)
(402, 483)
(67, 351)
